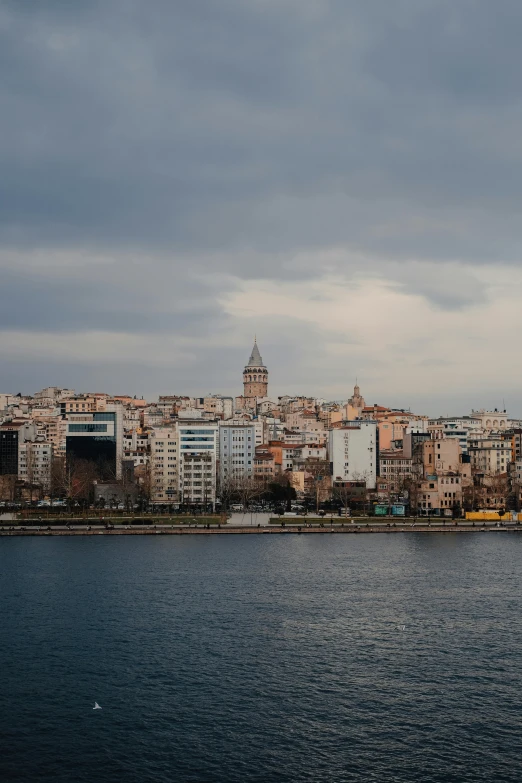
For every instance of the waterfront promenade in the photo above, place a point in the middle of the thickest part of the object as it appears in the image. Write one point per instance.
(253, 525)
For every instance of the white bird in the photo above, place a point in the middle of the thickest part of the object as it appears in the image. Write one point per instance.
(96, 706)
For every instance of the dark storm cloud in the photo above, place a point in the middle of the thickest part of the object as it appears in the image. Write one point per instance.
(181, 125)
(59, 306)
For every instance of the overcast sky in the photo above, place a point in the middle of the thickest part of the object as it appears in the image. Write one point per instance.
(342, 178)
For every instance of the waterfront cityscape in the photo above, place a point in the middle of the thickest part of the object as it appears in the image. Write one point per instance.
(260, 445)
(64, 447)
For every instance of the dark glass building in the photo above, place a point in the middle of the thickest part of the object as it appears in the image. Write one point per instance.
(93, 437)
(9, 451)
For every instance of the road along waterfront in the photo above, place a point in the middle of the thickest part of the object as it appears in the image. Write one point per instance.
(270, 525)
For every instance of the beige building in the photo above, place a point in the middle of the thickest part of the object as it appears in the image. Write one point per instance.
(490, 456)
(396, 469)
(164, 467)
(441, 456)
(331, 416)
(35, 463)
(264, 465)
(85, 403)
(444, 475)
(491, 420)
(54, 430)
(255, 376)
(306, 421)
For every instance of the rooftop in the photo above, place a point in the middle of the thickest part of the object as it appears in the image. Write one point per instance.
(255, 357)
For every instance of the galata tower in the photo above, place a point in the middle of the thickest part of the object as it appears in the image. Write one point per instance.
(255, 375)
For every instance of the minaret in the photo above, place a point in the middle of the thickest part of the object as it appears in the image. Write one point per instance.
(255, 375)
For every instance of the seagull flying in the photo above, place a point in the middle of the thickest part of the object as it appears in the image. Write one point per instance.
(96, 706)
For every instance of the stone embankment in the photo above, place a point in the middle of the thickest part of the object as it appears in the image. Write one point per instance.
(275, 526)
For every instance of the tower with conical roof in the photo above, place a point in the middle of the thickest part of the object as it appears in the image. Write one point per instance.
(356, 401)
(255, 375)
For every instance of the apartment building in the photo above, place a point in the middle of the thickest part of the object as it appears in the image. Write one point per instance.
(264, 465)
(237, 446)
(198, 449)
(164, 465)
(490, 455)
(35, 464)
(353, 452)
(13, 435)
(396, 468)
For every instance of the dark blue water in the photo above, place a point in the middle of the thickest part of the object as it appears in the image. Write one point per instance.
(261, 658)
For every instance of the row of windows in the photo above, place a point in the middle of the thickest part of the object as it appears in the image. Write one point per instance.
(197, 432)
(87, 428)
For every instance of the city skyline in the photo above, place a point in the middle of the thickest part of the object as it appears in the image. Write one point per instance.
(468, 404)
(235, 392)
(256, 392)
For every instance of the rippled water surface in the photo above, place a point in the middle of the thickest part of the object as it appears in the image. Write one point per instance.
(261, 658)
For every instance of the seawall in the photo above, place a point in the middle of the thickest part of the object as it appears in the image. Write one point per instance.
(262, 530)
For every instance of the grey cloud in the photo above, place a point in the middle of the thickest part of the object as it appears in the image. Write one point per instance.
(66, 304)
(178, 125)
(230, 138)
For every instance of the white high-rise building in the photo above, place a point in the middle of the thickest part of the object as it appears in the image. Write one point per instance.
(353, 452)
(237, 448)
(197, 449)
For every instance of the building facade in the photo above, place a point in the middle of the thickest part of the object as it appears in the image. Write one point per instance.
(164, 470)
(237, 446)
(198, 448)
(35, 464)
(353, 453)
(97, 437)
(13, 435)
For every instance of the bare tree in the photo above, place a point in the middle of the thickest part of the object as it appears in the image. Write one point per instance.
(240, 488)
(343, 493)
(497, 489)
(144, 481)
(74, 478)
(8, 487)
(226, 491)
(317, 477)
(360, 479)
(513, 499)
(31, 462)
(409, 488)
(249, 489)
(207, 480)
